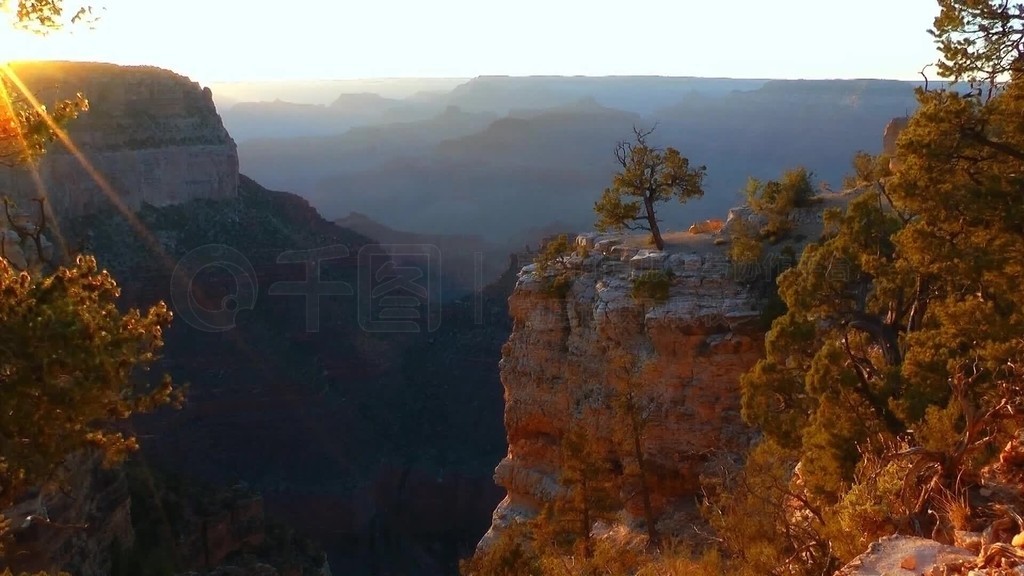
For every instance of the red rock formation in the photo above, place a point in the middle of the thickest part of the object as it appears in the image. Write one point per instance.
(563, 365)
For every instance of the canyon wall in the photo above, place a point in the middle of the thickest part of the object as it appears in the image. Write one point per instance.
(570, 358)
(154, 136)
(77, 525)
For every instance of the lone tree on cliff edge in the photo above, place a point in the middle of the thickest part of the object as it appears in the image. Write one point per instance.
(648, 175)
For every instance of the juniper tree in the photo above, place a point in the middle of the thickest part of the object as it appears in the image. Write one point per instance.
(907, 319)
(647, 176)
(71, 362)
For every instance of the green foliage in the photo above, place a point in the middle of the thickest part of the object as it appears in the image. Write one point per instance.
(896, 367)
(652, 285)
(26, 131)
(632, 407)
(589, 494)
(45, 16)
(775, 200)
(805, 374)
(71, 362)
(980, 40)
(868, 169)
(873, 507)
(763, 523)
(70, 359)
(25, 128)
(553, 266)
(648, 175)
(745, 246)
(897, 363)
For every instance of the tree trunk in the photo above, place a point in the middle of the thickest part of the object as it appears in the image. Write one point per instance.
(585, 518)
(652, 223)
(645, 493)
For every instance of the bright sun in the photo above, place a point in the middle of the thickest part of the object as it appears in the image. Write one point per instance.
(18, 44)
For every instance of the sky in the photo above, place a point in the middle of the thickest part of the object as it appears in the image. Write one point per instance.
(240, 40)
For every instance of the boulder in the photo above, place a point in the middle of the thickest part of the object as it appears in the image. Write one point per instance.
(908, 555)
(646, 260)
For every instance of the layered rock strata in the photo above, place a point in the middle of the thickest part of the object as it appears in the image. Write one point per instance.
(569, 358)
(151, 135)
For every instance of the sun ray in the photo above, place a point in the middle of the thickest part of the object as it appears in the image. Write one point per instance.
(91, 170)
(37, 180)
(136, 224)
(316, 428)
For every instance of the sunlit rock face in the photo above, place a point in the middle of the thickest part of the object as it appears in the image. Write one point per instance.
(892, 133)
(899, 554)
(152, 136)
(563, 366)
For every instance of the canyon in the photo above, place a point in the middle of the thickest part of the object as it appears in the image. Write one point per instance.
(382, 445)
(360, 440)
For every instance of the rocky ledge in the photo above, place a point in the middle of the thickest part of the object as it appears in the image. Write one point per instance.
(570, 356)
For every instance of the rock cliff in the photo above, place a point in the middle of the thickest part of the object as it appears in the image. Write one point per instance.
(379, 445)
(892, 133)
(567, 359)
(153, 135)
(77, 524)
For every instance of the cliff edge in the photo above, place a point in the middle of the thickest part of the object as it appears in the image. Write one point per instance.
(569, 358)
(154, 136)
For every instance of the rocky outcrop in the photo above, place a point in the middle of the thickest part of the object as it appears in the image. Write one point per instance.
(892, 133)
(237, 525)
(905, 555)
(568, 359)
(23, 242)
(99, 521)
(74, 525)
(151, 136)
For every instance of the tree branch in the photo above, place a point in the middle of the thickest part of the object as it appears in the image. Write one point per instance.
(1001, 147)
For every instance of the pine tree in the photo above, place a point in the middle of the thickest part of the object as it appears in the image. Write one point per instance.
(633, 410)
(71, 362)
(648, 175)
(905, 322)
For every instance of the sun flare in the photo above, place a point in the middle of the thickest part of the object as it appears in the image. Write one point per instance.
(20, 44)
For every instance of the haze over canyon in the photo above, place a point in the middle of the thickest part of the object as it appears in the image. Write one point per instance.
(381, 446)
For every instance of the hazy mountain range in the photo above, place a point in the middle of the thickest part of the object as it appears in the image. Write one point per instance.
(496, 157)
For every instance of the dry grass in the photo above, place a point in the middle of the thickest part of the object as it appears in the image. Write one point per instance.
(707, 227)
(955, 508)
